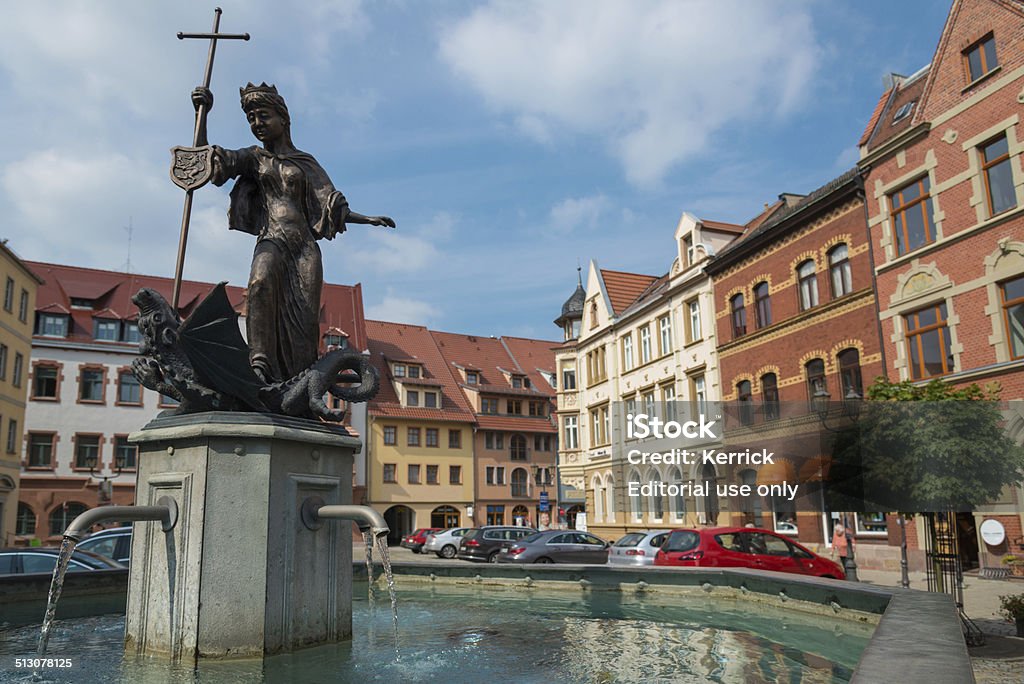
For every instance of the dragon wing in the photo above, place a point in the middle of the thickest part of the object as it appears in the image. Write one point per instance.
(211, 340)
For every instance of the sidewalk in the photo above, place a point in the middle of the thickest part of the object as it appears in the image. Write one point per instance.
(1001, 659)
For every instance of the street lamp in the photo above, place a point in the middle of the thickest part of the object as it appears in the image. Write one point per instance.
(106, 489)
(851, 410)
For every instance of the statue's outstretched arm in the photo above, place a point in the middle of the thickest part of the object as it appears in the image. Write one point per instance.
(355, 217)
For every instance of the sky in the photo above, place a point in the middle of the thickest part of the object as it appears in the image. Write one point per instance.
(510, 141)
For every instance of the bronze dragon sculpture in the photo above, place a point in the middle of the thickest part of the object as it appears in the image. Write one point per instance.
(203, 362)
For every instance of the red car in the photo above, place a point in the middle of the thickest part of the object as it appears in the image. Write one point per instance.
(417, 539)
(743, 547)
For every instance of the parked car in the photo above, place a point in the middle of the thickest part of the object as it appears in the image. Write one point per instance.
(485, 543)
(637, 548)
(557, 546)
(115, 542)
(445, 543)
(417, 539)
(743, 547)
(41, 559)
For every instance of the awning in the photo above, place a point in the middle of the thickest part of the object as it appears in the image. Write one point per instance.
(776, 473)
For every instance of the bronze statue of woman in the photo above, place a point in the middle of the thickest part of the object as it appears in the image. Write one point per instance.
(285, 198)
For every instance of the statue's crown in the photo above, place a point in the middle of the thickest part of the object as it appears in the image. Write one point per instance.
(250, 89)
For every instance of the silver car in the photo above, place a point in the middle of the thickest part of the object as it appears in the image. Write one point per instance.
(446, 542)
(637, 548)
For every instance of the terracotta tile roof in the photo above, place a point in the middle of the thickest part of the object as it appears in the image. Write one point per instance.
(875, 115)
(111, 293)
(624, 288)
(653, 291)
(533, 356)
(514, 423)
(413, 342)
(908, 92)
(508, 391)
(486, 353)
(425, 382)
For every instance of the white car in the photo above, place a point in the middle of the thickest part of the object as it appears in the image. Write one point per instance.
(445, 543)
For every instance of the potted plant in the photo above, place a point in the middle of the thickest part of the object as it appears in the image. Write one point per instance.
(1012, 608)
(1015, 564)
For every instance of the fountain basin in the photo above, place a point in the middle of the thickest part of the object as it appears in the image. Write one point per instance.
(918, 630)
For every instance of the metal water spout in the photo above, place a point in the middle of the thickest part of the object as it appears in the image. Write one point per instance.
(314, 512)
(166, 511)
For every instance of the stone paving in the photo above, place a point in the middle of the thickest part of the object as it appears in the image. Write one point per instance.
(999, 661)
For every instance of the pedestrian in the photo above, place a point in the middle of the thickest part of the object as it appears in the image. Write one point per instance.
(842, 543)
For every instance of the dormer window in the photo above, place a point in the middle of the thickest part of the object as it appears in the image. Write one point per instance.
(472, 378)
(430, 399)
(412, 398)
(414, 371)
(52, 325)
(903, 112)
(691, 254)
(81, 303)
(106, 330)
(130, 333)
(332, 340)
(517, 382)
(398, 370)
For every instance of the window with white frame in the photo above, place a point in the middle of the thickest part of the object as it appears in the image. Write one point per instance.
(665, 335)
(572, 436)
(627, 352)
(693, 328)
(645, 344)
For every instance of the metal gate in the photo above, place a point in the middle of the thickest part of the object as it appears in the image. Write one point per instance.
(944, 569)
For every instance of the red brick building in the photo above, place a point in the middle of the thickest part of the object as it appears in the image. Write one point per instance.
(941, 157)
(795, 317)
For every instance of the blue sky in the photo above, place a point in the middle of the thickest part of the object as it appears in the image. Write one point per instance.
(507, 139)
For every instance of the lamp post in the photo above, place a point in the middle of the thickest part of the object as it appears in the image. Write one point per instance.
(851, 410)
(542, 477)
(105, 488)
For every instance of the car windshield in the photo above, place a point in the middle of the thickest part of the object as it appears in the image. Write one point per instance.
(631, 539)
(532, 538)
(681, 540)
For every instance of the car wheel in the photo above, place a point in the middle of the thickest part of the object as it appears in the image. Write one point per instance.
(448, 551)
(543, 559)
(415, 550)
(493, 558)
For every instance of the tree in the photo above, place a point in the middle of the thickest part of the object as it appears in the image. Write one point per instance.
(925, 448)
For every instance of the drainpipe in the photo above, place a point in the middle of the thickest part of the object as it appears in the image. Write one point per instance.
(166, 511)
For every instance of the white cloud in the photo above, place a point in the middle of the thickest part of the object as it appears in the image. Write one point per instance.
(657, 78)
(578, 212)
(403, 310)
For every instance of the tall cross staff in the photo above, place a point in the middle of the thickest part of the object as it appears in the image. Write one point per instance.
(193, 166)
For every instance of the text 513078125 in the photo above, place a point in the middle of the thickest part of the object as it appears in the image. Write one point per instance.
(42, 663)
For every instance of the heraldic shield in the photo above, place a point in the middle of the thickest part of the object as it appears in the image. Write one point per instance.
(192, 166)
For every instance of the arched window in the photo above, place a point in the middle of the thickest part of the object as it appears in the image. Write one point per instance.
(636, 502)
(815, 370)
(520, 482)
(62, 516)
(598, 488)
(520, 512)
(26, 523)
(657, 499)
(849, 373)
(746, 406)
(445, 517)
(770, 395)
(609, 498)
(762, 305)
(739, 316)
(518, 448)
(678, 502)
(839, 270)
(807, 280)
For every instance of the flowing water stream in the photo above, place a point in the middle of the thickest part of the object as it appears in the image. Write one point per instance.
(67, 547)
(385, 559)
(368, 542)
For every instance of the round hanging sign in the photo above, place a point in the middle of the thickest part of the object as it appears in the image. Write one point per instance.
(992, 532)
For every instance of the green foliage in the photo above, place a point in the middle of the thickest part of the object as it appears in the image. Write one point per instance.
(926, 448)
(1011, 607)
(1010, 558)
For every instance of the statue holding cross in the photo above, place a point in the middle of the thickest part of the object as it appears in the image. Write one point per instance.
(285, 198)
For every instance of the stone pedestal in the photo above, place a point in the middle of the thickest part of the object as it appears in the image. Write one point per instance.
(240, 575)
